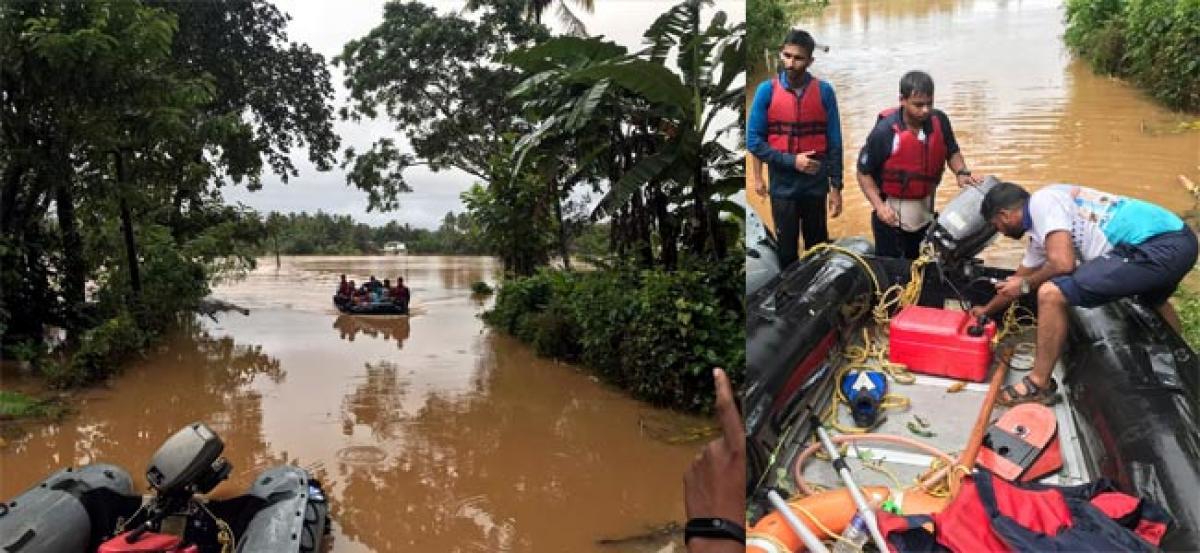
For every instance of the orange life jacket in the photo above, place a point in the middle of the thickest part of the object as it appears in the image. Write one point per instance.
(796, 122)
(914, 168)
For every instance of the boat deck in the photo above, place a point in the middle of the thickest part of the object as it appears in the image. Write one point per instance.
(951, 417)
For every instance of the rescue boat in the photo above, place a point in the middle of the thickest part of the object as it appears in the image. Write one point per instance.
(94, 507)
(1129, 386)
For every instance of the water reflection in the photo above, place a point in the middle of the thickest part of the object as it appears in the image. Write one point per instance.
(386, 327)
(194, 376)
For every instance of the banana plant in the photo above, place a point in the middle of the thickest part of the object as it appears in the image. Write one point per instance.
(643, 124)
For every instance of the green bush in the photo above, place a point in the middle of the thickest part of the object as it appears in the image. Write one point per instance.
(481, 288)
(1153, 43)
(654, 333)
(100, 352)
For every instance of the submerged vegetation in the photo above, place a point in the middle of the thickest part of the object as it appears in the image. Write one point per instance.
(1152, 43)
(122, 120)
(661, 304)
(125, 119)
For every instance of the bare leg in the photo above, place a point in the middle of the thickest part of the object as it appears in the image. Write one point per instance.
(1051, 333)
(1168, 313)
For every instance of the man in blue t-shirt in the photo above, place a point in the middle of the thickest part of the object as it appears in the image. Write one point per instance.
(1123, 247)
(794, 129)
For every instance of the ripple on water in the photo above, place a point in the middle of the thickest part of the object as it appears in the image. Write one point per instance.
(361, 455)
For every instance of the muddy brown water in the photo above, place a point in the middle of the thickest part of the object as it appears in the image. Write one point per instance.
(430, 432)
(1022, 108)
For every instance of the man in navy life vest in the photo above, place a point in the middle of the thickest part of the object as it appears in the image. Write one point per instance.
(901, 164)
(794, 129)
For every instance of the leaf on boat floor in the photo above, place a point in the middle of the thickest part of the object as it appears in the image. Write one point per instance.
(956, 387)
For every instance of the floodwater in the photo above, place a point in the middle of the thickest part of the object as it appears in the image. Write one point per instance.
(430, 432)
(1021, 107)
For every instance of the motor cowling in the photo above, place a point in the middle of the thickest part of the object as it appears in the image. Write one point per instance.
(960, 231)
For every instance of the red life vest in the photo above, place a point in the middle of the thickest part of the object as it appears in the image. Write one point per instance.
(796, 122)
(914, 168)
(989, 514)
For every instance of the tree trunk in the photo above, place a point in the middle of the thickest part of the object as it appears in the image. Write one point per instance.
(74, 271)
(562, 227)
(135, 281)
(700, 213)
(666, 229)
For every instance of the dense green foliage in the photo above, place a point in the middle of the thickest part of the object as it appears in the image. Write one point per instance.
(1153, 43)
(644, 134)
(326, 234)
(122, 119)
(656, 333)
(767, 23)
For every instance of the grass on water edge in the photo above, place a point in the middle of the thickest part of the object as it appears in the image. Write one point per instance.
(15, 405)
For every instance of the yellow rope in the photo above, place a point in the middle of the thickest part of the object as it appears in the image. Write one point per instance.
(1016, 320)
(829, 533)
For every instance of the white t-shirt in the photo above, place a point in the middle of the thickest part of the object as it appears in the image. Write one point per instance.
(1096, 220)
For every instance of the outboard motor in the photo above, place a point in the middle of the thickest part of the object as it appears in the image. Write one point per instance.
(960, 232)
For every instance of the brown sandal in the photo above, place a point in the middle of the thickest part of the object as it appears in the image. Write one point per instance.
(1033, 394)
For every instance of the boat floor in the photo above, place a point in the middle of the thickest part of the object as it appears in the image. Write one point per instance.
(951, 417)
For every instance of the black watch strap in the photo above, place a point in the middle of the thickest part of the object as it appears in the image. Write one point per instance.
(714, 528)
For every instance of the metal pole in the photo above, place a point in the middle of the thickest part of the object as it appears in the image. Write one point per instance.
(810, 540)
(839, 464)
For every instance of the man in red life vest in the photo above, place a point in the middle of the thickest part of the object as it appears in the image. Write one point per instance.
(901, 164)
(793, 128)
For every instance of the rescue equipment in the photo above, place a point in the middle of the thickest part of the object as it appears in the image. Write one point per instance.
(864, 391)
(796, 121)
(941, 342)
(915, 166)
(1023, 444)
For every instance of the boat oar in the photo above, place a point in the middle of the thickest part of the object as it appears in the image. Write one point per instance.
(975, 442)
(839, 464)
(810, 540)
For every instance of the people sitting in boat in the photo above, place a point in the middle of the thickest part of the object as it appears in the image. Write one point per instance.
(387, 290)
(373, 284)
(345, 288)
(401, 294)
(1087, 248)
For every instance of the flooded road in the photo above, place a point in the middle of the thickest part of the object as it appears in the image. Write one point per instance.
(1021, 107)
(430, 432)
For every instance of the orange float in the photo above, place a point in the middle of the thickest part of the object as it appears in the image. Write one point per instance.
(833, 509)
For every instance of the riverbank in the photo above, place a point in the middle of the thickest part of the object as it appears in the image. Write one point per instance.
(1153, 44)
(653, 333)
(430, 432)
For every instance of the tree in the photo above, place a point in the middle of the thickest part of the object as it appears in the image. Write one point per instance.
(648, 131)
(437, 77)
(137, 112)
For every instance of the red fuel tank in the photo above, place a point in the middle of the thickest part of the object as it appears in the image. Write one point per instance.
(937, 342)
(150, 542)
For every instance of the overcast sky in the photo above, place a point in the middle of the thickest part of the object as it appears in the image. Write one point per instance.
(326, 26)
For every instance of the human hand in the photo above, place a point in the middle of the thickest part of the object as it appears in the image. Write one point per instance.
(1010, 287)
(806, 164)
(714, 485)
(978, 311)
(835, 203)
(967, 180)
(887, 215)
(760, 187)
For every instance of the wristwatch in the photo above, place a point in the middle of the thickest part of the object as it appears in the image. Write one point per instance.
(713, 528)
(964, 172)
(1024, 286)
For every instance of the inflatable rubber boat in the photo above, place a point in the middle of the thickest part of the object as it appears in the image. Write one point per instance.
(1129, 385)
(384, 308)
(94, 508)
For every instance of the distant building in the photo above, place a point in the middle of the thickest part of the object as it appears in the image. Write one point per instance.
(395, 248)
